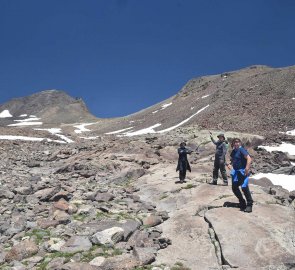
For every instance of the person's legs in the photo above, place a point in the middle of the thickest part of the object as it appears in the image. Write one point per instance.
(180, 175)
(184, 175)
(246, 192)
(249, 199)
(238, 194)
(215, 172)
(223, 171)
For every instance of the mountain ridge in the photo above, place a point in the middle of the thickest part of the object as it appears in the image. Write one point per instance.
(253, 99)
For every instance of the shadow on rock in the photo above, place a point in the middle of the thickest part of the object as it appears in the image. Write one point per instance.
(231, 204)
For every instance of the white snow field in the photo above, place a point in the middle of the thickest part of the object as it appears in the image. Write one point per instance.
(286, 181)
(5, 114)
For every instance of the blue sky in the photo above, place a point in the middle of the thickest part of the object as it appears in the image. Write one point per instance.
(121, 56)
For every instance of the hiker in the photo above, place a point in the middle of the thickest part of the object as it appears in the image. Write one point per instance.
(240, 171)
(219, 162)
(183, 163)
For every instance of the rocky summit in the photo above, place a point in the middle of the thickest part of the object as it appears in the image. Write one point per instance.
(79, 192)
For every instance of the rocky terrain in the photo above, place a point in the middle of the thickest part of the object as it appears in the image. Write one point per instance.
(114, 203)
(78, 192)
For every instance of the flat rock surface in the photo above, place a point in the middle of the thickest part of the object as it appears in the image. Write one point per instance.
(263, 238)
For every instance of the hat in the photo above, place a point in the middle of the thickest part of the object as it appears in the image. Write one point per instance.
(221, 135)
(183, 143)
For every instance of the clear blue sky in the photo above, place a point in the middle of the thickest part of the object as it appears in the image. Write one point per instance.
(121, 56)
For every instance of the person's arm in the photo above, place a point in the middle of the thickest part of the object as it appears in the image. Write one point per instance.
(247, 169)
(213, 140)
(188, 151)
(229, 164)
(224, 150)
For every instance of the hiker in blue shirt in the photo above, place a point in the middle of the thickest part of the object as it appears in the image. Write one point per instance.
(241, 160)
(183, 164)
(219, 162)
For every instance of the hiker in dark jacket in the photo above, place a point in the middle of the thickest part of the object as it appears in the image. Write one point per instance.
(219, 162)
(240, 171)
(183, 163)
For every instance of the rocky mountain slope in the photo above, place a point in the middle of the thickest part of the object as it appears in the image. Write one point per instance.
(256, 99)
(73, 197)
(52, 106)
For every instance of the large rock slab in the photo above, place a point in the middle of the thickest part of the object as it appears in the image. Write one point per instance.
(121, 262)
(191, 243)
(77, 243)
(21, 251)
(263, 238)
(78, 266)
(46, 193)
(109, 236)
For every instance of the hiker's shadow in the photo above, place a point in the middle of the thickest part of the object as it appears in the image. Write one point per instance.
(231, 204)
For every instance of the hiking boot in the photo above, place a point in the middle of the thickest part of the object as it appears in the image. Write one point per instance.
(225, 183)
(214, 182)
(248, 209)
(243, 206)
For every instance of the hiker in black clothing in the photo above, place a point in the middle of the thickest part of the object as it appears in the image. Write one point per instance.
(219, 162)
(183, 163)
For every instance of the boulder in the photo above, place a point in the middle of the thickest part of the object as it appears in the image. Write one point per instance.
(62, 204)
(109, 236)
(120, 262)
(98, 261)
(46, 223)
(152, 221)
(21, 251)
(104, 197)
(6, 194)
(46, 193)
(76, 243)
(144, 255)
(77, 266)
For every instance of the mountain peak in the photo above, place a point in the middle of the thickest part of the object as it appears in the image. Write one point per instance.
(53, 106)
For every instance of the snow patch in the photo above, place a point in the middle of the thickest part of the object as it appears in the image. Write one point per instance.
(24, 138)
(89, 138)
(143, 131)
(5, 114)
(56, 132)
(81, 128)
(23, 115)
(284, 147)
(164, 106)
(184, 121)
(286, 181)
(192, 108)
(205, 96)
(26, 124)
(151, 129)
(118, 131)
(68, 140)
(50, 130)
(293, 98)
(291, 132)
(28, 119)
(155, 111)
